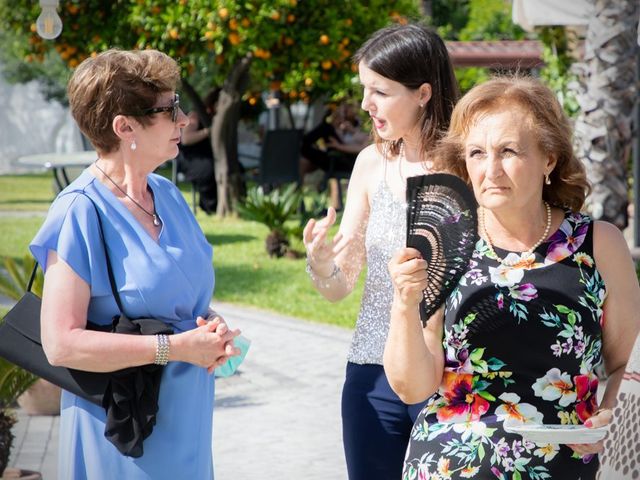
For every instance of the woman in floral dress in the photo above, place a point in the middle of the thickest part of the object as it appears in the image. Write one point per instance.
(548, 296)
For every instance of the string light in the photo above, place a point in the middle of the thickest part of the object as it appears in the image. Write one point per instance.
(49, 24)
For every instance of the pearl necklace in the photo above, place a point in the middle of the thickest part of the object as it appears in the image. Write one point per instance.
(154, 215)
(524, 256)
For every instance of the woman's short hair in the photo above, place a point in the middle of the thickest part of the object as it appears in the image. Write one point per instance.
(118, 82)
(553, 132)
(414, 54)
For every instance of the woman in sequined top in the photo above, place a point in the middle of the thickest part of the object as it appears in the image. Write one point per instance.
(409, 92)
(549, 295)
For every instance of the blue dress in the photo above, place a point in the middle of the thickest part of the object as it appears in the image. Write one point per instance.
(171, 280)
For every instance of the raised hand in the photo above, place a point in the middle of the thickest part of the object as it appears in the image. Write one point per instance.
(321, 252)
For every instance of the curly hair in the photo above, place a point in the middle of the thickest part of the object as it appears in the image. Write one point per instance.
(553, 132)
(118, 82)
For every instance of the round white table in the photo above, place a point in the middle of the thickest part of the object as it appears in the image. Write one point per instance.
(59, 162)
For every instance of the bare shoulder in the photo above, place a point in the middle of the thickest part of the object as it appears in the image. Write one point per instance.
(610, 248)
(367, 168)
(369, 154)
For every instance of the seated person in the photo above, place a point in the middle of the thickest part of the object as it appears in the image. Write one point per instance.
(196, 161)
(343, 140)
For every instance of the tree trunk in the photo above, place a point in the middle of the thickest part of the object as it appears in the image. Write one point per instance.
(606, 96)
(224, 138)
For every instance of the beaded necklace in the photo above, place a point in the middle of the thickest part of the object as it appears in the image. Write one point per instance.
(524, 256)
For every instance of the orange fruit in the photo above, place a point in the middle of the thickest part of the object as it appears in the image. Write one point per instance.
(326, 64)
(73, 63)
(275, 16)
(234, 38)
(324, 39)
(348, 22)
(245, 22)
(308, 82)
(208, 34)
(219, 59)
(293, 3)
(252, 101)
(289, 41)
(233, 24)
(73, 9)
(223, 13)
(291, 18)
(173, 34)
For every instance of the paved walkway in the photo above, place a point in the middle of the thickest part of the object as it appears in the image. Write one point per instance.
(277, 418)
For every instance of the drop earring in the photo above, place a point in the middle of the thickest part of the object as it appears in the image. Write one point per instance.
(133, 145)
(421, 105)
(547, 180)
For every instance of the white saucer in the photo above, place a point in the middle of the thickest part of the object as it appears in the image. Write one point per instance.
(557, 433)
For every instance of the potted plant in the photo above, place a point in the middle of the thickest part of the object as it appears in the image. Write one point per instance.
(273, 209)
(43, 398)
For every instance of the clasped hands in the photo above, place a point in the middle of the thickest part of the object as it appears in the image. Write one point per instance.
(210, 344)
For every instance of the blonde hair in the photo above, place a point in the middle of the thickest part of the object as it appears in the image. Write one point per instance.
(118, 82)
(569, 186)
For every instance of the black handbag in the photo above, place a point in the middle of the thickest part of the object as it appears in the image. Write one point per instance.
(20, 344)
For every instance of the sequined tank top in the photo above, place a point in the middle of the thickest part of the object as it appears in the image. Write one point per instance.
(386, 233)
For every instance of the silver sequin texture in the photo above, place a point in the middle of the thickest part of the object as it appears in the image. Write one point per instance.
(386, 233)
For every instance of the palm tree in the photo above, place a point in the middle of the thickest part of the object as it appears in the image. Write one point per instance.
(606, 96)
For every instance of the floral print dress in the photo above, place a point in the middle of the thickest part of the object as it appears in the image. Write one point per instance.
(521, 344)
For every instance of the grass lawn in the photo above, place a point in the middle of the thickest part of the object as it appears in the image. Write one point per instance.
(245, 275)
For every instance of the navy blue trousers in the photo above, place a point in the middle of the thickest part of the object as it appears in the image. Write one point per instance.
(376, 424)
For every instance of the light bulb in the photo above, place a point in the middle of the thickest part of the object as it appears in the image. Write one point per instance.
(49, 24)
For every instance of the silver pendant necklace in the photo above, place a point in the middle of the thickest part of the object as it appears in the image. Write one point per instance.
(154, 215)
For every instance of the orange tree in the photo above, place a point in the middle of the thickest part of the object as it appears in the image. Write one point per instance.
(300, 48)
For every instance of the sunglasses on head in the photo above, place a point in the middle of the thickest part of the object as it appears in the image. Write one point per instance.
(173, 108)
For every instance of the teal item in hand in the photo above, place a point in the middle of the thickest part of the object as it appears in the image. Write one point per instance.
(230, 366)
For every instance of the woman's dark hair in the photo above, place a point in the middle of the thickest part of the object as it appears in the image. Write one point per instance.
(414, 54)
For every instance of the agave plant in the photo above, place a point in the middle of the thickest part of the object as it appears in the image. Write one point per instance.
(273, 209)
(14, 276)
(14, 381)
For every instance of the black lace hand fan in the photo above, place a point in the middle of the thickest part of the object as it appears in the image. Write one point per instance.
(442, 224)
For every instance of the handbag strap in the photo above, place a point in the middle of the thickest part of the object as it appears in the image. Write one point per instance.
(112, 281)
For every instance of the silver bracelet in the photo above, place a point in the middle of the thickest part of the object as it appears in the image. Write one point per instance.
(322, 282)
(162, 349)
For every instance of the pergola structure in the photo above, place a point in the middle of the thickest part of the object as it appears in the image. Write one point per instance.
(500, 54)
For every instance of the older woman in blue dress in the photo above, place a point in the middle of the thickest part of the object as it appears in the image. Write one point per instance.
(125, 103)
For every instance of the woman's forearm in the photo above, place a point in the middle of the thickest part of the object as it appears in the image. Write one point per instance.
(611, 390)
(411, 367)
